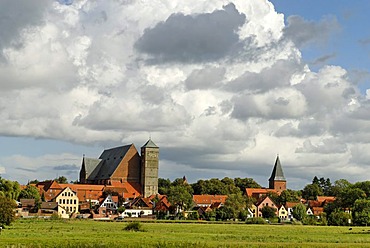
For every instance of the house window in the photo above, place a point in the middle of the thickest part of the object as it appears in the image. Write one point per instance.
(268, 204)
(60, 201)
(64, 201)
(75, 201)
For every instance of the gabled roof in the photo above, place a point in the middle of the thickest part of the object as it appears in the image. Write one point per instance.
(129, 189)
(90, 164)
(111, 158)
(142, 202)
(150, 144)
(27, 202)
(326, 199)
(51, 185)
(64, 190)
(49, 205)
(291, 204)
(277, 173)
(258, 191)
(209, 199)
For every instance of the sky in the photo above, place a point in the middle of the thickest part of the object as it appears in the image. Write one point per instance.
(220, 86)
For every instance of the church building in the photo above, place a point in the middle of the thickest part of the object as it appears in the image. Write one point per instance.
(277, 180)
(123, 164)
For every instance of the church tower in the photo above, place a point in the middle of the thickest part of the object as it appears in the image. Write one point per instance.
(277, 180)
(149, 168)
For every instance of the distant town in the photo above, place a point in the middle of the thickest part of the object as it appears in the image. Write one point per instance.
(123, 184)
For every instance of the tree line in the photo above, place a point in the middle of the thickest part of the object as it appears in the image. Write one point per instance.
(352, 199)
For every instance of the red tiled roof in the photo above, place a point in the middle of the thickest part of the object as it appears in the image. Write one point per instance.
(291, 204)
(129, 189)
(209, 199)
(327, 199)
(317, 210)
(258, 191)
(312, 203)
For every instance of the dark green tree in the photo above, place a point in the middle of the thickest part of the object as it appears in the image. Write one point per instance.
(7, 207)
(35, 181)
(348, 197)
(361, 212)
(299, 211)
(9, 189)
(311, 191)
(365, 186)
(61, 179)
(30, 192)
(234, 204)
(181, 196)
(288, 196)
(339, 218)
(268, 212)
(243, 183)
(339, 186)
(163, 186)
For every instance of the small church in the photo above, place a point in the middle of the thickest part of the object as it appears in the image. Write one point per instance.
(277, 183)
(123, 164)
(277, 180)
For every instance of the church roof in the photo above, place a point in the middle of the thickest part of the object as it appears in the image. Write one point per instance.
(277, 173)
(111, 158)
(150, 144)
(90, 165)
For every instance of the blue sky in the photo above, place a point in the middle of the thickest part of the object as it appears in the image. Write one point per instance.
(349, 47)
(221, 86)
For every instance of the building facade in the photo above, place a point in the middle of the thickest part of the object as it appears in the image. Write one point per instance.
(277, 180)
(121, 165)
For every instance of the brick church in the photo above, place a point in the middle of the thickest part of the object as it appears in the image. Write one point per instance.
(124, 165)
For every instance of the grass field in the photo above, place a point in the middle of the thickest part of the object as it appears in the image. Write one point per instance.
(89, 233)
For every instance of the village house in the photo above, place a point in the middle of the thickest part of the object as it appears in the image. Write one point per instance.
(68, 201)
(289, 207)
(208, 200)
(283, 213)
(265, 202)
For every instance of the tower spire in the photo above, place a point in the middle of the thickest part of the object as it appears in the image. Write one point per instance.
(277, 180)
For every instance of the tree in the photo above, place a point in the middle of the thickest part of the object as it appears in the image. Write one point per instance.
(348, 197)
(35, 181)
(61, 179)
(311, 191)
(243, 183)
(339, 186)
(30, 192)
(9, 189)
(361, 212)
(288, 196)
(181, 196)
(365, 186)
(163, 186)
(268, 212)
(7, 207)
(299, 211)
(339, 218)
(234, 204)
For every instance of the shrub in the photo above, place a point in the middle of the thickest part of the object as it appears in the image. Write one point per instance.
(55, 216)
(135, 227)
(309, 220)
(256, 220)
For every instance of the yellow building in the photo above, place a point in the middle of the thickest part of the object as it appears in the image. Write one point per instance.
(67, 202)
(283, 213)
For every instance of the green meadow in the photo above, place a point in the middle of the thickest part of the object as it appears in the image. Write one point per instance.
(89, 233)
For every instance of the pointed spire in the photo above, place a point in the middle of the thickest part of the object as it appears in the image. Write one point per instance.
(277, 173)
(150, 144)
